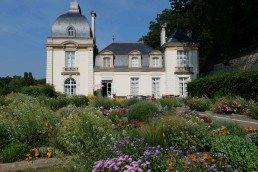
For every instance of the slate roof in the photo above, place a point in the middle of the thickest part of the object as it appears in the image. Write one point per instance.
(179, 36)
(120, 48)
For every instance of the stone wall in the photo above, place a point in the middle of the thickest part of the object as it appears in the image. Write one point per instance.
(249, 61)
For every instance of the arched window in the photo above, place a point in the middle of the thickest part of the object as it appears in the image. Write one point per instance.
(71, 31)
(135, 62)
(70, 86)
(155, 62)
(106, 62)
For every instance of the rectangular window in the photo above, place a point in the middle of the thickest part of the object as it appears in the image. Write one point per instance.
(70, 59)
(183, 86)
(134, 86)
(156, 87)
(183, 59)
(106, 62)
(155, 62)
(135, 62)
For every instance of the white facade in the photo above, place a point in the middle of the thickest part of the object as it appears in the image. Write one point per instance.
(72, 70)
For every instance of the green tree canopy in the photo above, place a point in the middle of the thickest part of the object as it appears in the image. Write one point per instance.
(222, 28)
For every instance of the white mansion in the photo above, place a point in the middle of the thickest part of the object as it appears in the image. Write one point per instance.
(120, 68)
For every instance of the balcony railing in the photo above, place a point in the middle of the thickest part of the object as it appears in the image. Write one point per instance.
(70, 71)
(184, 70)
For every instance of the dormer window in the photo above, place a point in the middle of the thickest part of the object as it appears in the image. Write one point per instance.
(155, 62)
(106, 62)
(71, 32)
(135, 62)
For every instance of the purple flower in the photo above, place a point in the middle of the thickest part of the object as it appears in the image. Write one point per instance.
(220, 155)
(189, 163)
(171, 148)
(147, 153)
(167, 170)
(227, 166)
(193, 147)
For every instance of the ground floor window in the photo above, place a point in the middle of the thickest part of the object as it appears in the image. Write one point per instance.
(70, 86)
(156, 87)
(183, 86)
(134, 86)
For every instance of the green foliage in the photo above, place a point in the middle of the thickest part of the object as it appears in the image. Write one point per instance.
(115, 116)
(141, 111)
(87, 135)
(153, 134)
(169, 103)
(213, 26)
(184, 133)
(27, 120)
(39, 90)
(14, 152)
(200, 104)
(232, 127)
(254, 138)
(104, 102)
(130, 102)
(63, 101)
(242, 83)
(255, 112)
(241, 152)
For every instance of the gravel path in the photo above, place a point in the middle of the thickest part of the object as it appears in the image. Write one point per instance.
(23, 165)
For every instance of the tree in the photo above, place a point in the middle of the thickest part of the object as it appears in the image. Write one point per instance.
(222, 28)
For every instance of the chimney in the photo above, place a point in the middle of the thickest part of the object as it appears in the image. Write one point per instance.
(163, 34)
(93, 16)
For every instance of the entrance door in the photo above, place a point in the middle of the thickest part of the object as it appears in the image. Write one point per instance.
(107, 88)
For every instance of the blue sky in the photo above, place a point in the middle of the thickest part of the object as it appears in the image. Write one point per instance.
(26, 24)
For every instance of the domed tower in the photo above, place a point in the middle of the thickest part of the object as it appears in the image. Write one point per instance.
(70, 53)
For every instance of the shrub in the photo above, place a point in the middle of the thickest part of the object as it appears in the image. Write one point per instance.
(132, 101)
(14, 152)
(141, 111)
(153, 134)
(186, 132)
(27, 119)
(104, 102)
(241, 153)
(168, 103)
(255, 112)
(115, 116)
(254, 138)
(232, 127)
(229, 105)
(4, 135)
(241, 83)
(200, 104)
(87, 135)
(39, 90)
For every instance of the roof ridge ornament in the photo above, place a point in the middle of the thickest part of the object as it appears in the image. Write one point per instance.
(75, 7)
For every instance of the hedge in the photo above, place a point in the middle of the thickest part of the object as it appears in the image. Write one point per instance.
(242, 83)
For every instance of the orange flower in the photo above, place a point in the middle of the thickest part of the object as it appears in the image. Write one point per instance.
(212, 160)
(225, 162)
(37, 154)
(171, 166)
(194, 159)
(30, 157)
(49, 154)
(207, 156)
(27, 154)
(184, 166)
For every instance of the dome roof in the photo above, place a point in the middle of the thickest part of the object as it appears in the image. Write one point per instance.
(74, 21)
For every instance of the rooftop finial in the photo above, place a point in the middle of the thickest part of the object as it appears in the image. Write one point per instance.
(74, 7)
(113, 38)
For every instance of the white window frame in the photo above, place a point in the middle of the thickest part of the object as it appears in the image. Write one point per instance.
(183, 59)
(70, 59)
(106, 62)
(135, 62)
(70, 86)
(155, 83)
(183, 86)
(155, 62)
(71, 31)
(134, 86)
